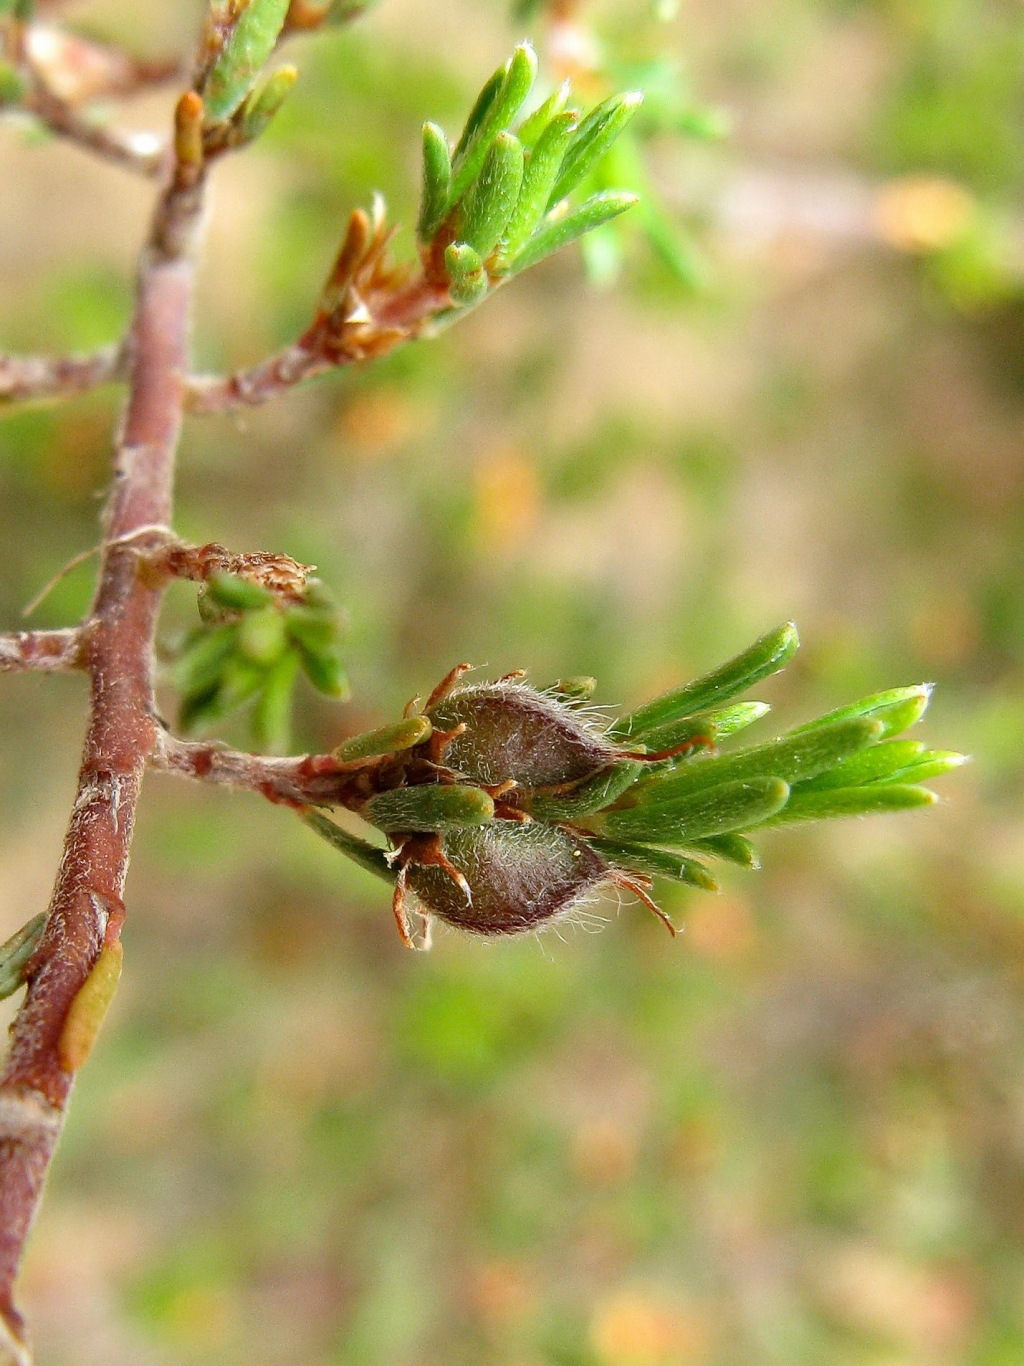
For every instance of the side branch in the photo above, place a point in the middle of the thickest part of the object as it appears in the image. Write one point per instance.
(37, 377)
(42, 651)
(133, 153)
(305, 780)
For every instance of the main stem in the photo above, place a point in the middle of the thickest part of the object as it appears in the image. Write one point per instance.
(86, 907)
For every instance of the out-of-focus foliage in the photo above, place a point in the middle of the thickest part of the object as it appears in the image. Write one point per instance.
(792, 1136)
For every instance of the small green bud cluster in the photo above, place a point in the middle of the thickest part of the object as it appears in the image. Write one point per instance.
(250, 649)
(495, 203)
(513, 805)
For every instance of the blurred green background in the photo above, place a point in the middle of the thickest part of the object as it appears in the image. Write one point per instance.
(796, 1133)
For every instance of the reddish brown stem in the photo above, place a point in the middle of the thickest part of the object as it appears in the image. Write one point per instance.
(34, 377)
(303, 780)
(42, 651)
(118, 653)
(66, 122)
(328, 345)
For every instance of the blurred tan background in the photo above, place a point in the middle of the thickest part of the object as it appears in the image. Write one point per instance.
(796, 1133)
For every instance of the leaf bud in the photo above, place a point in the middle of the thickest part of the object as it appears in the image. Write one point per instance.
(429, 807)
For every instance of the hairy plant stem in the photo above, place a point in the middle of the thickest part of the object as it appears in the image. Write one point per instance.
(117, 651)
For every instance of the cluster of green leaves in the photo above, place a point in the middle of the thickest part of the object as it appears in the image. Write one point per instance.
(846, 763)
(496, 202)
(250, 650)
(653, 814)
(239, 98)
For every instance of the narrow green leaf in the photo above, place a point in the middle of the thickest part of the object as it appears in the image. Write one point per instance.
(733, 848)
(202, 660)
(437, 180)
(240, 680)
(481, 108)
(515, 85)
(592, 795)
(16, 952)
(881, 761)
(492, 198)
(531, 128)
(429, 807)
(313, 628)
(594, 137)
(271, 721)
(262, 636)
(325, 669)
(640, 858)
(558, 232)
(368, 856)
(413, 730)
(876, 798)
(538, 178)
(264, 101)
(897, 708)
(246, 51)
(237, 594)
(717, 811)
(790, 757)
(764, 658)
(714, 725)
(932, 764)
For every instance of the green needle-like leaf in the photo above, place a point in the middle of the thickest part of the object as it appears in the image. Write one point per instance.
(898, 709)
(765, 657)
(876, 764)
(490, 202)
(717, 811)
(594, 137)
(594, 794)
(515, 84)
(876, 798)
(15, 953)
(413, 730)
(657, 863)
(265, 100)
(246, 51)
(262, 636)
(932, 764)
(271, 721)
(429, 807)
(791, 757)
(202, 661)
(733, 848)
(531, 128)
(368, 856)
(437, 181)
(539, 177)
(237, 594)
(714, 725)
(558, 232)
(325, 669)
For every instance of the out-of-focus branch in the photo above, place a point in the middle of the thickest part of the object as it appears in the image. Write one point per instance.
(38, 377)
(137, 152)
(42, 651)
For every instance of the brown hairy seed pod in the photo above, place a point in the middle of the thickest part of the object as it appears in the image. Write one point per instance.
(520, 877)
(514, 732)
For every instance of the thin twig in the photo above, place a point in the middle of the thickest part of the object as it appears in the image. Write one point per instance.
(305, 780)
(38, 377)
(86, 909)
(377, 327)
(42, 651)
(131, 151)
